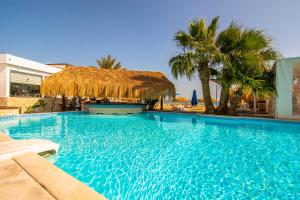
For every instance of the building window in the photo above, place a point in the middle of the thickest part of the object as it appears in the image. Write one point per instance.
(25, 85)
(24, 90)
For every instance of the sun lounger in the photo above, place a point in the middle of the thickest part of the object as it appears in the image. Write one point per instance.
(178, 107)
(11, 148)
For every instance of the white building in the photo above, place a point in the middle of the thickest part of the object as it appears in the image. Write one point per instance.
(21, 77)
(288, 88)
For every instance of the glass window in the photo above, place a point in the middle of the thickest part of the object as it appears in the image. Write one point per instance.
(24, 90)
(24, 84)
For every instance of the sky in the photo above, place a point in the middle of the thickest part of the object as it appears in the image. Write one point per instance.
(139, 33)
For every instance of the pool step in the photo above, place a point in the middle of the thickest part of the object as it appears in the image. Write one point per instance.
(10, 148)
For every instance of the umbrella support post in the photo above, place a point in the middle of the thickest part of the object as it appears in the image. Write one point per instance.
(161, 103)
(63, 99)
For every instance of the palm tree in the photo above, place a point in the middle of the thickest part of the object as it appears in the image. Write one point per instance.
(268, 89)
(199, 55)
(249, 53)
(109, 62)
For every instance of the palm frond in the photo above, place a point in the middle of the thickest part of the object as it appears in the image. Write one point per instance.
(183, 65)
(109, 62)
(212, 28)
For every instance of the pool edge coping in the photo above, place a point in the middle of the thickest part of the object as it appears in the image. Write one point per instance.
(39, 114)
(244, 118)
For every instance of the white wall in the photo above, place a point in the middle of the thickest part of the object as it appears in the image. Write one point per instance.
(9, 62)
(3, 80)
(284, 82)
(29, 64)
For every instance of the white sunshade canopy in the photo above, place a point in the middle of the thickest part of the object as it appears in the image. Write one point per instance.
(24, 78)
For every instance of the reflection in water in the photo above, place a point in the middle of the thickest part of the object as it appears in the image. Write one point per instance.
(194, 121)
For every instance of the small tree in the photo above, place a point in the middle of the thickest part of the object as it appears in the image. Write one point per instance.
(199, 56)
(42, 104)
(109, 62)
(151, 103)
(52, 103)
(249, 53)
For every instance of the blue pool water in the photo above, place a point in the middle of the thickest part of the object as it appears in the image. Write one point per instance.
(169, 156)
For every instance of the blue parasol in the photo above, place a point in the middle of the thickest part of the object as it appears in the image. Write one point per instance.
(194, 98)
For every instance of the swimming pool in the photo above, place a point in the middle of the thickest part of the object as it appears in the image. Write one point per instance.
(171, 156)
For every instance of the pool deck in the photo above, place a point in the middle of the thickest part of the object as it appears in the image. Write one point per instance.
(31, 177)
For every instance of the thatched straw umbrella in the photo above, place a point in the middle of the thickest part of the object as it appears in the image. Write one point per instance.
(181, 99)
(95, 82)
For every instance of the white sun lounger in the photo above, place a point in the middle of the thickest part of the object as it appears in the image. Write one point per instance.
(11, 148)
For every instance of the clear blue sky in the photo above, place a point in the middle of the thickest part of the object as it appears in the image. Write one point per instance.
(138, 32)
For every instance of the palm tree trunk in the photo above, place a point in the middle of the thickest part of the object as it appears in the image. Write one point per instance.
(63, 99)
(223, 104)
(267, 105)
(234, 101)
(209, 106)
(254, 102)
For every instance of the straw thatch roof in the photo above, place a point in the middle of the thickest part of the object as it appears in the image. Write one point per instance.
(95, 82)
(181, 99)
